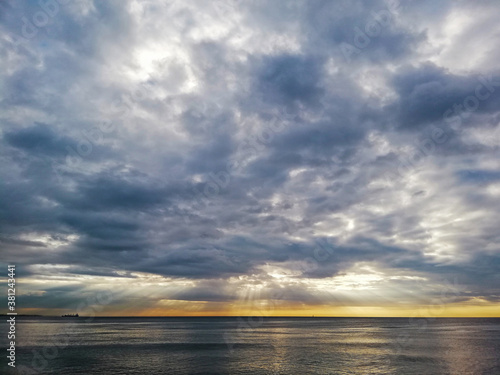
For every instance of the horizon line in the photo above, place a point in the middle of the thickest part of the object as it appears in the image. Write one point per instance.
(260, 316)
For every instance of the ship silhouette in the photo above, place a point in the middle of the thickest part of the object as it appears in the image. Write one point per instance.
(69, 316)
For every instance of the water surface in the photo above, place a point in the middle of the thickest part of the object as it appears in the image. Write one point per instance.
(256, 346)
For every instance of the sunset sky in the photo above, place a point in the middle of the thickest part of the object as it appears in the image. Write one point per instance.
(248, 157)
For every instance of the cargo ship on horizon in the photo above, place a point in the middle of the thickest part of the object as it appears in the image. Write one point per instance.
(69, 316)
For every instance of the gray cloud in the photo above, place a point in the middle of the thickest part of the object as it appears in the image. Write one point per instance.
(242, 135)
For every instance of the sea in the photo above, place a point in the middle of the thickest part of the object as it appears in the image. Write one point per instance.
(253, 345)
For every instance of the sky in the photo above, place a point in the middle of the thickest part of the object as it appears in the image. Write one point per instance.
(182, 158)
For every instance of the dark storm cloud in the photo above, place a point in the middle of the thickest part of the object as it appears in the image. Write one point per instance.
(430, 94)
(115, 191)
(39, 140)
(285, 79)
(360, 32)
(242, 135)
(22, 242)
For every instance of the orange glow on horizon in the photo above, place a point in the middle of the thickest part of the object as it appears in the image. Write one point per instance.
(207, 309)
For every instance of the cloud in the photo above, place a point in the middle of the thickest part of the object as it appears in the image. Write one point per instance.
(430, 94)
(39, 140)
(213, 154)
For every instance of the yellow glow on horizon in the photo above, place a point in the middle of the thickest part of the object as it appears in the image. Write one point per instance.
(269, 309)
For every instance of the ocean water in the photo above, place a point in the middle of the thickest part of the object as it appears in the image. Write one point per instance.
(255, 346)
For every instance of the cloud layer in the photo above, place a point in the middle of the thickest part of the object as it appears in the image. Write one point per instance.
(313, 152)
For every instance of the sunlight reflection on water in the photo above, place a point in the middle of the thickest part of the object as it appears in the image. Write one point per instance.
(277, 346)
